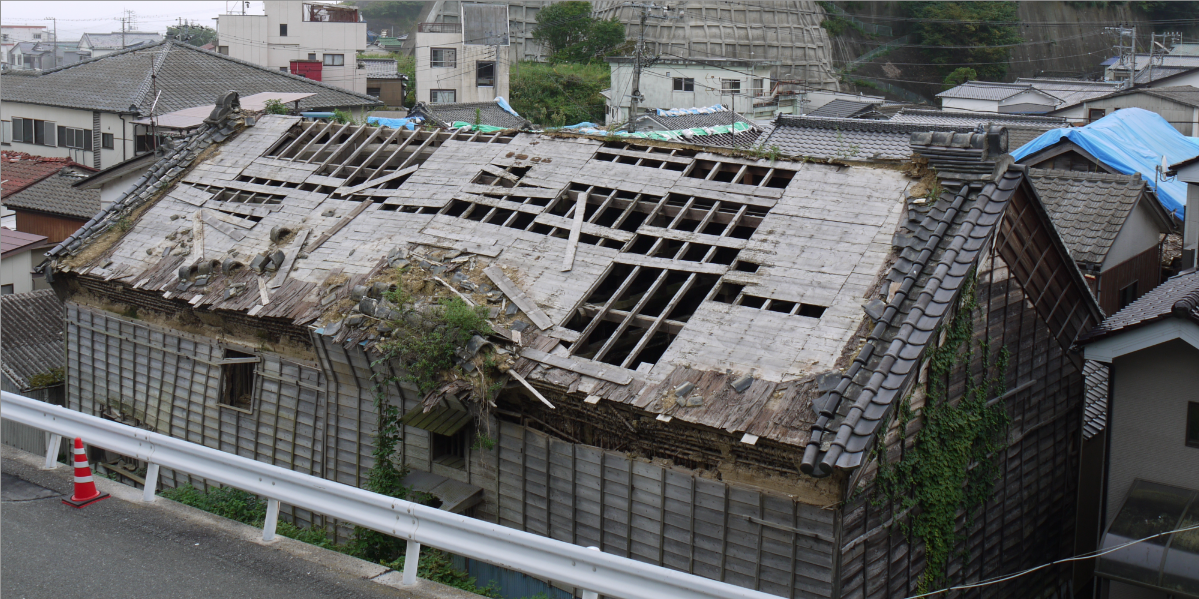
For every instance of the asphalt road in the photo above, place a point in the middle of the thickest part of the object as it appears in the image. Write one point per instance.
(116, 548)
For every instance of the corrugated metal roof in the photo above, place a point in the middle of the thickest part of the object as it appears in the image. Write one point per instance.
(13, 241)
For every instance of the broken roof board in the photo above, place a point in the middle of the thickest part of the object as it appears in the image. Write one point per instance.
(824, 240)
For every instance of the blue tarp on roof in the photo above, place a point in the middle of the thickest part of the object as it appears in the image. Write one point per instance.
(1129, 140)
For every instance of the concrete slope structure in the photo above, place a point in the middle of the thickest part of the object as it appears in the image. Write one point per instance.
(694, 358)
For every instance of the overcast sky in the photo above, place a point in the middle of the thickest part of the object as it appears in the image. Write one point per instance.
(77, 18)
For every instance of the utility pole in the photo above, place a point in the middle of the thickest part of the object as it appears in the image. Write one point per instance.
(54, 40)
(1126, 46)
(639, 60)
(1158, 49)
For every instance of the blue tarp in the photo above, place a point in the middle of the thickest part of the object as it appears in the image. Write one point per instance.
(504, 104)
(409, 123)
(1129, 140)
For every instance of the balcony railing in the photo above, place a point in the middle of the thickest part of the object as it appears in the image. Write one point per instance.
(439, 28)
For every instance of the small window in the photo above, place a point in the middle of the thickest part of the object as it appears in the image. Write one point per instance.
(6, 290)
(485, 74)
(223, 50)
(443, 96)
(443, 58)
(1095, 114)
(107, 141)
(335, 60)
(1192, 424)
(237, 379)
(684, 84)
(1128, 294)
(451, 450)
(374, 91)
(759, 87)
(312, 56)
(282, 29)
(5, 132)
(730, 86)
(37, 36)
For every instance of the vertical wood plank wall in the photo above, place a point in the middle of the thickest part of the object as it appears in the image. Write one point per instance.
(1030, 518)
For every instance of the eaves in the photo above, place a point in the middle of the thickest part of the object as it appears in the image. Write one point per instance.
(107, 109)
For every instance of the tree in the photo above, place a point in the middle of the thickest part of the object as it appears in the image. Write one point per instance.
(571, 34)
(959, 76)
(978, 33)
(196, 35)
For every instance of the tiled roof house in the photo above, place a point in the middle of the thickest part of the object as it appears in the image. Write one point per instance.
(445, 114)
(717, 349)
(32, 344)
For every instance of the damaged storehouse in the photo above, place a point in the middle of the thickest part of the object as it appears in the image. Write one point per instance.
(689, 358)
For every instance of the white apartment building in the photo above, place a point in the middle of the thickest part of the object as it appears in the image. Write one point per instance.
(11, 35)
(464, 61)
(314, 40)
(681, 83)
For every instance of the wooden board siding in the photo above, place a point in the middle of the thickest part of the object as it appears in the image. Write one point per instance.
(1144, 268)
(1030, 518)
(658, 515)
(55, 228)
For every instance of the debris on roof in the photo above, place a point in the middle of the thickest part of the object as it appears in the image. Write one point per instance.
(32, 343)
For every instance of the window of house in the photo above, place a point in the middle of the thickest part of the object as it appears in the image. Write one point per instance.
(144, 142)
(1128, 294)
(443, 96)
(107, 141)
(6, 290)
(223, 50)
(759, 87)
(684, 84)
(70, 137)
(485, 74)
(1095, 114)
(283, 29)
(374, 91)
(1193, 424)
(5, 132)
(443, 57)
(312, 56)
(335, 60)
(451, 450)
(237, 379)
(42, 133)
(730, 86)
(37, 36)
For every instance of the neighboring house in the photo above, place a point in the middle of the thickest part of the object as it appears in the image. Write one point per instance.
(389, 44)
(680, 83)
(1128, 141)
(847, 109)
(715, 120)
(1024, 96)
(86, 110)
(1179, 105)
(31, 349)
(95, 45)
(846, 139)
(1154, 70)
(1151, 471)
(11, 35)
(313, 40)
(20, 170)
(384, 81)
(462, 62)
(730, 344)
(46, 55)
(54, 207)
(491, 114)
(1187, 171)
(17, 259)
(1021, 128)
(114, 180)
(1114, 228)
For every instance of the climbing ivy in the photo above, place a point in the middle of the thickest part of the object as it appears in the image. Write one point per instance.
(955, 460)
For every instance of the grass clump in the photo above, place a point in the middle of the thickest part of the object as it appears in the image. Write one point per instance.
(428, 351)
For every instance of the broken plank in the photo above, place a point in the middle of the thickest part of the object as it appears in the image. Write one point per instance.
(262, 292)
(561, 222)
(456, 292)
(521, 380)
(343, 221)
(289, 259)
(229, 230)
(540, 319)
(197, 237)
(599, 370)
(377, 182)
(576, 227)
(499, 172)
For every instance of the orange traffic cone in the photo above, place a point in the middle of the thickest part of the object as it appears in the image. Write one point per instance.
(85, 488)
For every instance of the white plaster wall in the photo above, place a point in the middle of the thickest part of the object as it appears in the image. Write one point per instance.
(967, 105)
(245, 35)
(657, 85)
(1139, 233)
(111, 191)
(1189, 78)
(14, 270)
(460, 77)
(123, 145)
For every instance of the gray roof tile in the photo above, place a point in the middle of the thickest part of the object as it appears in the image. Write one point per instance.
(489, 113)
(1095, 400)
(846, 109)
(1088, 209)
(118, 40)
(120, 82)
(32, 341)
(1177, 297)
(381, 68)
(56, 195)
(858, 139)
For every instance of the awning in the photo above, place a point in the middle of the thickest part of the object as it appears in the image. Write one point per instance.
(1168, 563)
(446, 419)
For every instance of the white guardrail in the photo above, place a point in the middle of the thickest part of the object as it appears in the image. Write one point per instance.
(418, 524)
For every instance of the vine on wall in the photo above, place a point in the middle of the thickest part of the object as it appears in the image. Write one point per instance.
(955, 460)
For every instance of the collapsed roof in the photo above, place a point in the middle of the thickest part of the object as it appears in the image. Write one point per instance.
(700, 286)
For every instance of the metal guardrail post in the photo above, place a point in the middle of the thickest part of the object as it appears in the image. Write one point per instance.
(151, 482)
(52, 451)
(591, 594)
(411, 562)
(272, 520)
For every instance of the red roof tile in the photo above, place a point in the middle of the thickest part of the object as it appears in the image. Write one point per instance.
(19, 170)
